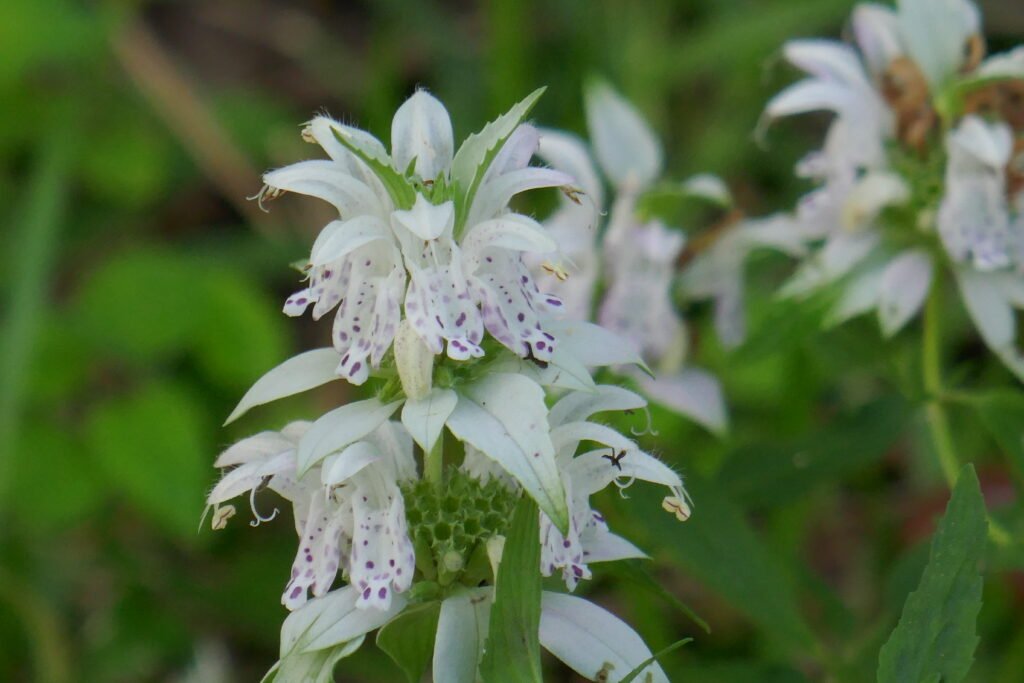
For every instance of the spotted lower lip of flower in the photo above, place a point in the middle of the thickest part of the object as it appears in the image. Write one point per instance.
(619, 461)
(349, 511)
(975, 217)
(427, 232)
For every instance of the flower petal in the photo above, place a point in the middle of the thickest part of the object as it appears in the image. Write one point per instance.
(425, 220)
(329, 181)
(340, 427)
(422, 131)
(878, 35)
(300, 373)
(625, 146)
(592, 641)
(580, 405)
(425, 418)
(692, 392)
(936, 33)
(905, 284)
(340, 238)
(332, 619)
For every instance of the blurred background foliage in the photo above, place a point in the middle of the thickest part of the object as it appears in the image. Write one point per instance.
(141, 295)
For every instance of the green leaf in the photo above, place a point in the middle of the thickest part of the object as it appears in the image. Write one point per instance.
(513, 644)
(478, 151)
(763, 475)
(936, 636)
(42, 502)
(635, 572)
(242, 333)
(152, 447)
(409, 639)
(29, 261)
(141, 305)
(631, 676)
(1002, 413)
(718, 547)
(394, 182)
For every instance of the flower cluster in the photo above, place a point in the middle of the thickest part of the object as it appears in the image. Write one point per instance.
(920, 173)
(637, 266)
(425, 231)
(425, 257)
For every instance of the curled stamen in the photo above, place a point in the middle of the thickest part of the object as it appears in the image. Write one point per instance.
(266, 193)
(255, 513)
(649, 429)
(623, 485)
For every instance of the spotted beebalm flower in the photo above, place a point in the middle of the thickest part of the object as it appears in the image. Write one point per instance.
(641, 262)
(981, 221)
(424, 230)
(426, 257)
(584, 636)
(349, 512)
(882, 232)
(617, 460)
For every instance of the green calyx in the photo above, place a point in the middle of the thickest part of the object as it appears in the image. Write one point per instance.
(450, 526)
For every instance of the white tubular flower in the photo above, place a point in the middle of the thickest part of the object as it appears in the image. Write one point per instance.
(572, 270)
(639, 258)
(349, 512)
(974, 217)
(620, 461)
(425, 229)
(888, 97)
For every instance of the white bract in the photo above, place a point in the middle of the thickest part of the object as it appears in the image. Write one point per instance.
(915, 67)
(425, 232)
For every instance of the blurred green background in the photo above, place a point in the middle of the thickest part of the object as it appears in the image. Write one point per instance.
(141, 294)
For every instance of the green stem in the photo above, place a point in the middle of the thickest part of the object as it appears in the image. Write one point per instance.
(433, 463)
(935, 413)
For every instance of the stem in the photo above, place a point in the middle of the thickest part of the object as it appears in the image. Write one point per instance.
(935, 413)
(433, 463)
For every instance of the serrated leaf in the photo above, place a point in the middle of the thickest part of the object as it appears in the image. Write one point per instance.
(478, 151)
(513, 644)
(409, 639)
(397, 186)
(936, 636)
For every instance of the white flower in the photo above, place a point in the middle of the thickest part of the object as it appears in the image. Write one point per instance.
(717, 272)
(889, 93)
(425, 230)
(983, 231)
(349, 512)
(974, 219)
(619, 461)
